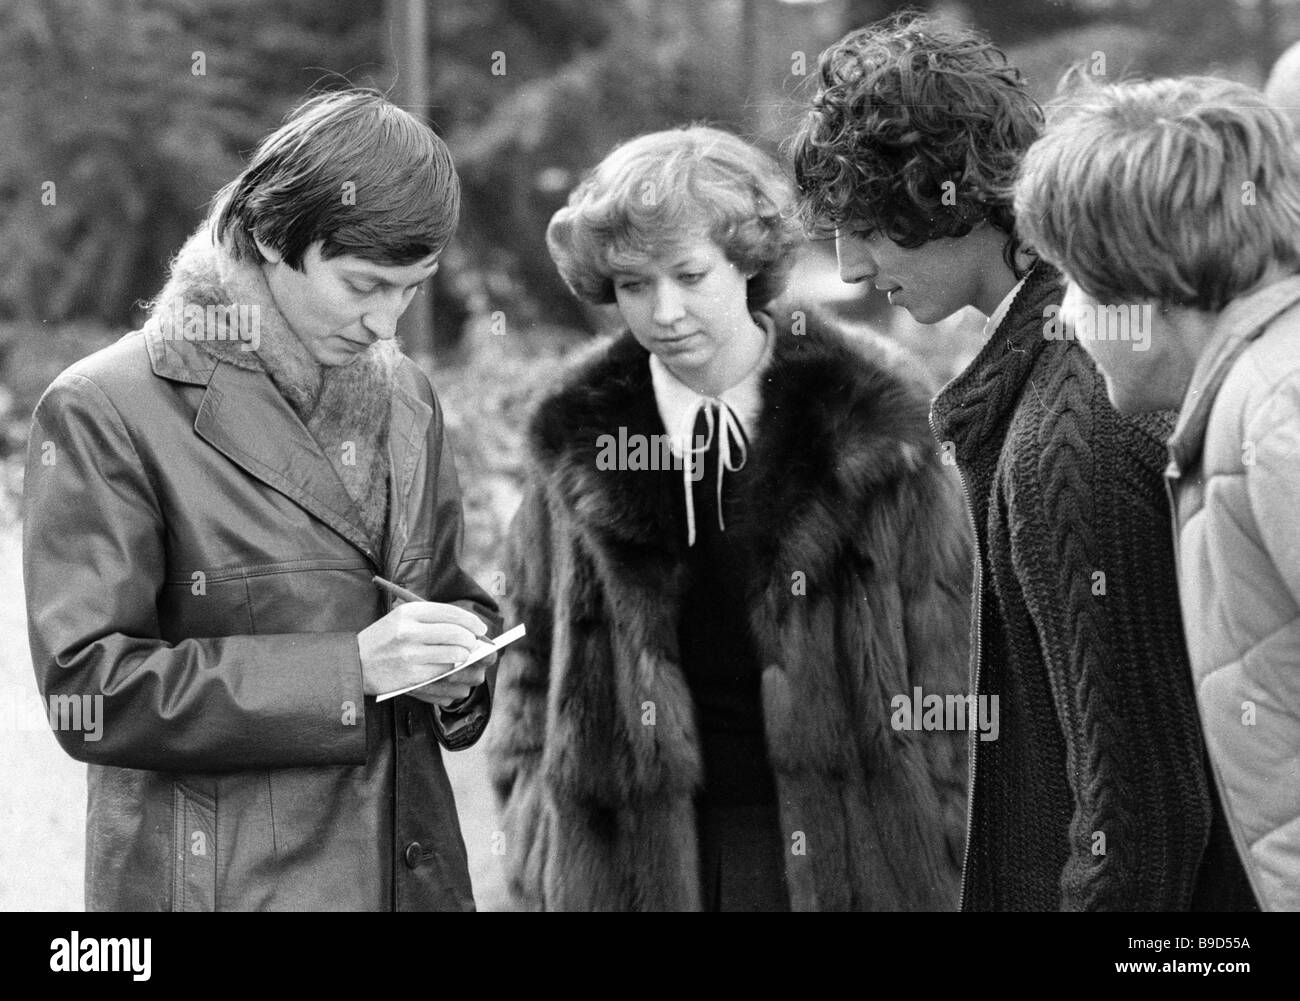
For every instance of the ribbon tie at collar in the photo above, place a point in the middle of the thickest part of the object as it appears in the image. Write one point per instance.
(732, 451)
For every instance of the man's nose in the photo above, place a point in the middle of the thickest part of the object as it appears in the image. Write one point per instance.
(380, 324)
(381, 319)
(668, 304)
(855, 260)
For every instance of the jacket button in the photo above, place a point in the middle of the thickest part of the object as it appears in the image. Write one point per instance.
(413, 853)
(409, 723)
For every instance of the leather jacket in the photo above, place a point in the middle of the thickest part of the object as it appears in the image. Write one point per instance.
(192, 561)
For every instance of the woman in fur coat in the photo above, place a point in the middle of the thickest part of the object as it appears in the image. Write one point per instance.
(741, 562)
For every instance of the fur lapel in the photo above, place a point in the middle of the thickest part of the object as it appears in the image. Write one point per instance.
(838, 424)
(346, 409)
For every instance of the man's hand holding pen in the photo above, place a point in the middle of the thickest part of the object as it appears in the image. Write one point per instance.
(419, 640)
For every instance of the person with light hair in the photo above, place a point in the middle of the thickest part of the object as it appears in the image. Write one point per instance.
(700, 715)
(1178, 201)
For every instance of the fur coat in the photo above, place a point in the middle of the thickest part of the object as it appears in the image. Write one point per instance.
(860, 594)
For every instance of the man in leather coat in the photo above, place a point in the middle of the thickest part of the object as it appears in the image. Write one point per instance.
(207, 501)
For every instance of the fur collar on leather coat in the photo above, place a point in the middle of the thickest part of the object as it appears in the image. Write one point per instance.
(860, 593)
(345, 407)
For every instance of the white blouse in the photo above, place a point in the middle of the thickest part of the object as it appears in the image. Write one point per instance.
(738, 408)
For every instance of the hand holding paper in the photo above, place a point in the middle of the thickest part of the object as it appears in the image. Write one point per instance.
(509, 636)
(413, 642)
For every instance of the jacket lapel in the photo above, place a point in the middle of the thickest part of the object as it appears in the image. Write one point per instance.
(613, 401)
(407, 430)
(834, 427)
(244, 418)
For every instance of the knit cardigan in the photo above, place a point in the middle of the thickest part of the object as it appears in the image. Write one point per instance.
(1095, 795)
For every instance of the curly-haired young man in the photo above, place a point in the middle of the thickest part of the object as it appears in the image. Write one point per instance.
(1096, 793)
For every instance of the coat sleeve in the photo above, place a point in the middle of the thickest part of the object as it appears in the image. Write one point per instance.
(449, 583)
(518, 740)
(1091, 544)
(1257, 762)
(1273, 480)
(94, 542)
(936, 578)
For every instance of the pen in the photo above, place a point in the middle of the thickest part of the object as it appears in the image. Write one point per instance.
(396, 590)
(492, 646)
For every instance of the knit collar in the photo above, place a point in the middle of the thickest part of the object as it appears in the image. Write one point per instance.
(973, 408)
(995, 320)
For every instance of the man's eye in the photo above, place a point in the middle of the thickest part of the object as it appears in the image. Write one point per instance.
(362, 290)
(691, 277)
(631, 286)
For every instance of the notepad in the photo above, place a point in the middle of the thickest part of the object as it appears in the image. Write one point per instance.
(506, 638)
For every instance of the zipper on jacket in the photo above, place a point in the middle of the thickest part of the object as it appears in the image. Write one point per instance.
(977, 602)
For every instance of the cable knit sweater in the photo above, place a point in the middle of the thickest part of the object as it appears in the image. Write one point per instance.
(1095, 795)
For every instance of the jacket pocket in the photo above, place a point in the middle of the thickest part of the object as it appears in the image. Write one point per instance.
(194, 847)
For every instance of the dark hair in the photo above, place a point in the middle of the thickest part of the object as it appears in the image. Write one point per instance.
(915, 132)
(348, 168)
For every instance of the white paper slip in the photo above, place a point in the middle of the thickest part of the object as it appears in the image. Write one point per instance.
(507, 637)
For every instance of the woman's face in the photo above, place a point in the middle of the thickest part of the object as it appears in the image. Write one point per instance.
(686, 305)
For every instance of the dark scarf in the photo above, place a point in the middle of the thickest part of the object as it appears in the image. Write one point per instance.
(345, 407)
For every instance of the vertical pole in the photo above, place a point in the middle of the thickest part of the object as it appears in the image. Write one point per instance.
(1268, 36)
(408, 37)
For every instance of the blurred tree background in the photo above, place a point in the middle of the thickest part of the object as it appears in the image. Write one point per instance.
(121, 118)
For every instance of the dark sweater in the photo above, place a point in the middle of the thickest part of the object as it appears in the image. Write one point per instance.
(741, 843)
(718, 656)
(1095, 796)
